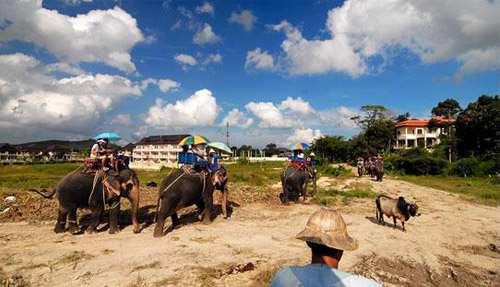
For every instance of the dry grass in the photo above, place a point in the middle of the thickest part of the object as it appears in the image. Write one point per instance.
(153, 265)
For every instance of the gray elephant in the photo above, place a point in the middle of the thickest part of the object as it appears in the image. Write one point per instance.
(294, 183)
(379, 173)
(219, 181)
(181, 189)
(79, 190)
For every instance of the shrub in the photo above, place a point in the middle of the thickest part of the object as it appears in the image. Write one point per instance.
(471, 166)
(416, 161)
(243, 160)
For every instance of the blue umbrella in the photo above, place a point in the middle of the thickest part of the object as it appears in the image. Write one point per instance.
(109, 136)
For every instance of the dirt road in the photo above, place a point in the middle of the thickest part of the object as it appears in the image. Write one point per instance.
(453, 243)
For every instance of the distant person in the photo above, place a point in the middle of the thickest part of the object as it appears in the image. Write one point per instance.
(326, 235)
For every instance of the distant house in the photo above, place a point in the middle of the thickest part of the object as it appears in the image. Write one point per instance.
(154, 152)
(416, 133)
(8, 152)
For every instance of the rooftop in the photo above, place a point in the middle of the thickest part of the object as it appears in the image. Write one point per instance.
(422, 123)
(162, 139)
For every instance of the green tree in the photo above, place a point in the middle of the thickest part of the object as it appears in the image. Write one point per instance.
(271, 149)
(478, 129)
(448, 109)
(333, 148)
(402, 117)
(378, 131)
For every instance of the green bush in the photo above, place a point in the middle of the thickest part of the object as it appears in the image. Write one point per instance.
(243, 160)
(471, 166)
(416, 161)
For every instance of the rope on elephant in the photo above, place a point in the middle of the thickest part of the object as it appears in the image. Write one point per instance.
(96, 178)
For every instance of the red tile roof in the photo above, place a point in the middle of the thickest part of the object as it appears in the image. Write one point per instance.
(422, 123)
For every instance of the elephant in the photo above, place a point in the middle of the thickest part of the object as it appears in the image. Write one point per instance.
(219, 181)
(80, 190)
(181, 189)
(379, 173)
(294, 182)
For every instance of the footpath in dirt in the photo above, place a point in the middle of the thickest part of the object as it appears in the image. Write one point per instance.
(454, 243)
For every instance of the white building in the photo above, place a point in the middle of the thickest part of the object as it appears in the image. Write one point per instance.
(155, 152)
(416, 133)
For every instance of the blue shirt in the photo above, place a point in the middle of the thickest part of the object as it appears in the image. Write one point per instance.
(316, 275)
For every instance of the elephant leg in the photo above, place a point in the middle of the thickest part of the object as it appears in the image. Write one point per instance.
(304, 192)
(285, 195)
(134, 201)
(175, 219)
(72, 222)
(167, 208)
(95, 218)
(61, 220)
(113, 217)
(224, 201)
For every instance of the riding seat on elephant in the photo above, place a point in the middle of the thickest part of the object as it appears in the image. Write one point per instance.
(80, 190)
(294, 183)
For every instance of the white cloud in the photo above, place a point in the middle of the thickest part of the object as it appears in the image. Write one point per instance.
(99, 36)
(212, 58)
(30, 98)
(319, 56)
(298, 106)
(339, 117)
(206, 8)
(166, 85)
(205, 35)
(199, 110)
(185, 59)
(123, 120)
(436, 31)
(259, 60)
(270, 116)
(149, 81)
(245, 18)
(64, 67)
(236, 118)
(304, 135)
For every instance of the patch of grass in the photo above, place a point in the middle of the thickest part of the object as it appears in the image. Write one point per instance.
(169, 281)
(354, 190)
(207, 276)
(34, 176)
(153, 265)
(338, 171)
(483, 189)
(74, 257)
(107, 251)
(255, 174)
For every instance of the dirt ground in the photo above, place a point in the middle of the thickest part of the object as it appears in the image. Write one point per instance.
(454, 243)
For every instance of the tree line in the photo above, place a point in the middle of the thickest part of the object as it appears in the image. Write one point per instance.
(470, 146)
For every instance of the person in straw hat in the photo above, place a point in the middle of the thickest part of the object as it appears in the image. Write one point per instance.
(326, 235)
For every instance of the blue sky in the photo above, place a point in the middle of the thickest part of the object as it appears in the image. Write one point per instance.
(277, 71)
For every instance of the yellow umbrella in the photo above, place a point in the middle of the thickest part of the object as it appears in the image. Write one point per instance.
(194, 140)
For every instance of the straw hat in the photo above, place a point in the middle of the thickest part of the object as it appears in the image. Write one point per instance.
(211, 150)
(326, 227)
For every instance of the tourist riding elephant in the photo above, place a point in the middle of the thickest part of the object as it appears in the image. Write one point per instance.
(219, 181)
(79, 190)
(294, 182)
(181, 189)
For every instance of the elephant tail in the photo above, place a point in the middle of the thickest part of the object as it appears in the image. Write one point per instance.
(44, 192)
